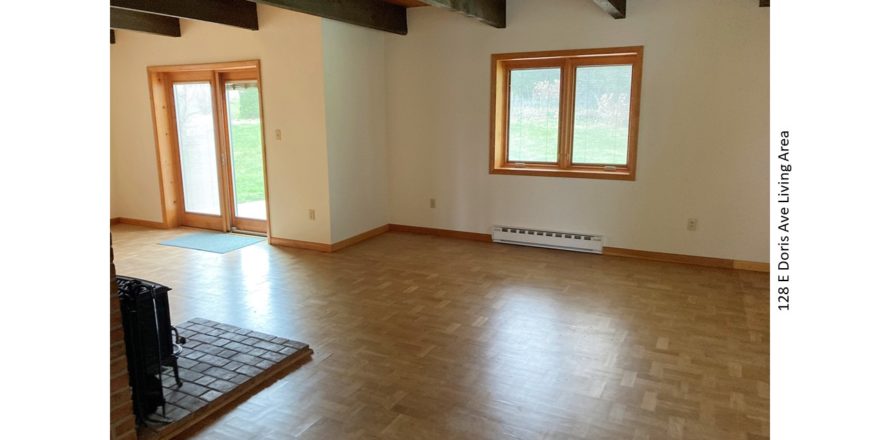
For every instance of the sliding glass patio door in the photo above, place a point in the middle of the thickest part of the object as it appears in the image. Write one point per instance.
(216, 120)
(243, 134)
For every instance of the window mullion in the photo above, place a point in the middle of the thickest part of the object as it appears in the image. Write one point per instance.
(566, 115)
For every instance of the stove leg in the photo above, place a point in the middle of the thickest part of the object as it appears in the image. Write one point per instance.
(176, 374)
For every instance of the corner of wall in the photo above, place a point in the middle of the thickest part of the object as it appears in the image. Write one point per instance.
(354, 92)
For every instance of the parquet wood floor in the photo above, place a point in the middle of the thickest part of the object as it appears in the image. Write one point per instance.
(420, 337)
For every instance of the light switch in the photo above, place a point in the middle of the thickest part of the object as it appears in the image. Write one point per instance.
(277, 134)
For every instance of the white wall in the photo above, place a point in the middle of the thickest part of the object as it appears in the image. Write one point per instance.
(289, 47)
(354, 82)
(375, 124)
(703, 143)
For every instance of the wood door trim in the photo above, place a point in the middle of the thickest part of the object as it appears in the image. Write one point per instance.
(225, 149)
(165, 167)
(166, 143)
(222, 66)
(223, 152)
(263, 145)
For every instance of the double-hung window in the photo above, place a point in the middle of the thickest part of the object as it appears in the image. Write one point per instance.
(572, 113)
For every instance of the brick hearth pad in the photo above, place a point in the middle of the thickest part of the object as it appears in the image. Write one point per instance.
(219, 364)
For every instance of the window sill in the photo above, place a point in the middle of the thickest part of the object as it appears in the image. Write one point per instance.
(586, 173)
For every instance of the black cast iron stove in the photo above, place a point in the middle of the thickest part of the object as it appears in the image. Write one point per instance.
(151, 342)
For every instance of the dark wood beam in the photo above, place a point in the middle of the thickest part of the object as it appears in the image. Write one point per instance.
(491, 12)
(615, 8)
(764, 3)
(239, 13)
(112, 36)
(374, 14)
(138, 21)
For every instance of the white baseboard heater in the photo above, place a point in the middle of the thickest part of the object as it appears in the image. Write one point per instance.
(548, 239)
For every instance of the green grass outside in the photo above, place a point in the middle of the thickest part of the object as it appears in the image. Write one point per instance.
(595, 143)
(532, 141)
(600, 143)
(601, 105)
(247, 162)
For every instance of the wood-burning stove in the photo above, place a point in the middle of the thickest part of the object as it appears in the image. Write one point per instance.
(151, 342)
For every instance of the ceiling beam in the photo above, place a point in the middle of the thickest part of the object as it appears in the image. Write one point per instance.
(374, 14)
(764, 3)
(491, 12)
(615, 8)
(138, 21)
(239, 13)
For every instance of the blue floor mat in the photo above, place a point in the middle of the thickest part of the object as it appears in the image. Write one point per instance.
(213, 241)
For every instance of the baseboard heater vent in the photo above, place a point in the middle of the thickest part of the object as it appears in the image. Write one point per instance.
(548, 239)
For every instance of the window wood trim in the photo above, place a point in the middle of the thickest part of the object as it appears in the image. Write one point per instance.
(567, 61)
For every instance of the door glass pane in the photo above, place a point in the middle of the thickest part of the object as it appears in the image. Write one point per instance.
(601, 115)
(245, 140)
(198, 153)
(533, 115)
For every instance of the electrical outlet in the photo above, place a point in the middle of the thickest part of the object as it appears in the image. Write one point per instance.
(311, 214)
(433, 203)
(277, 134)
(692, 224)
